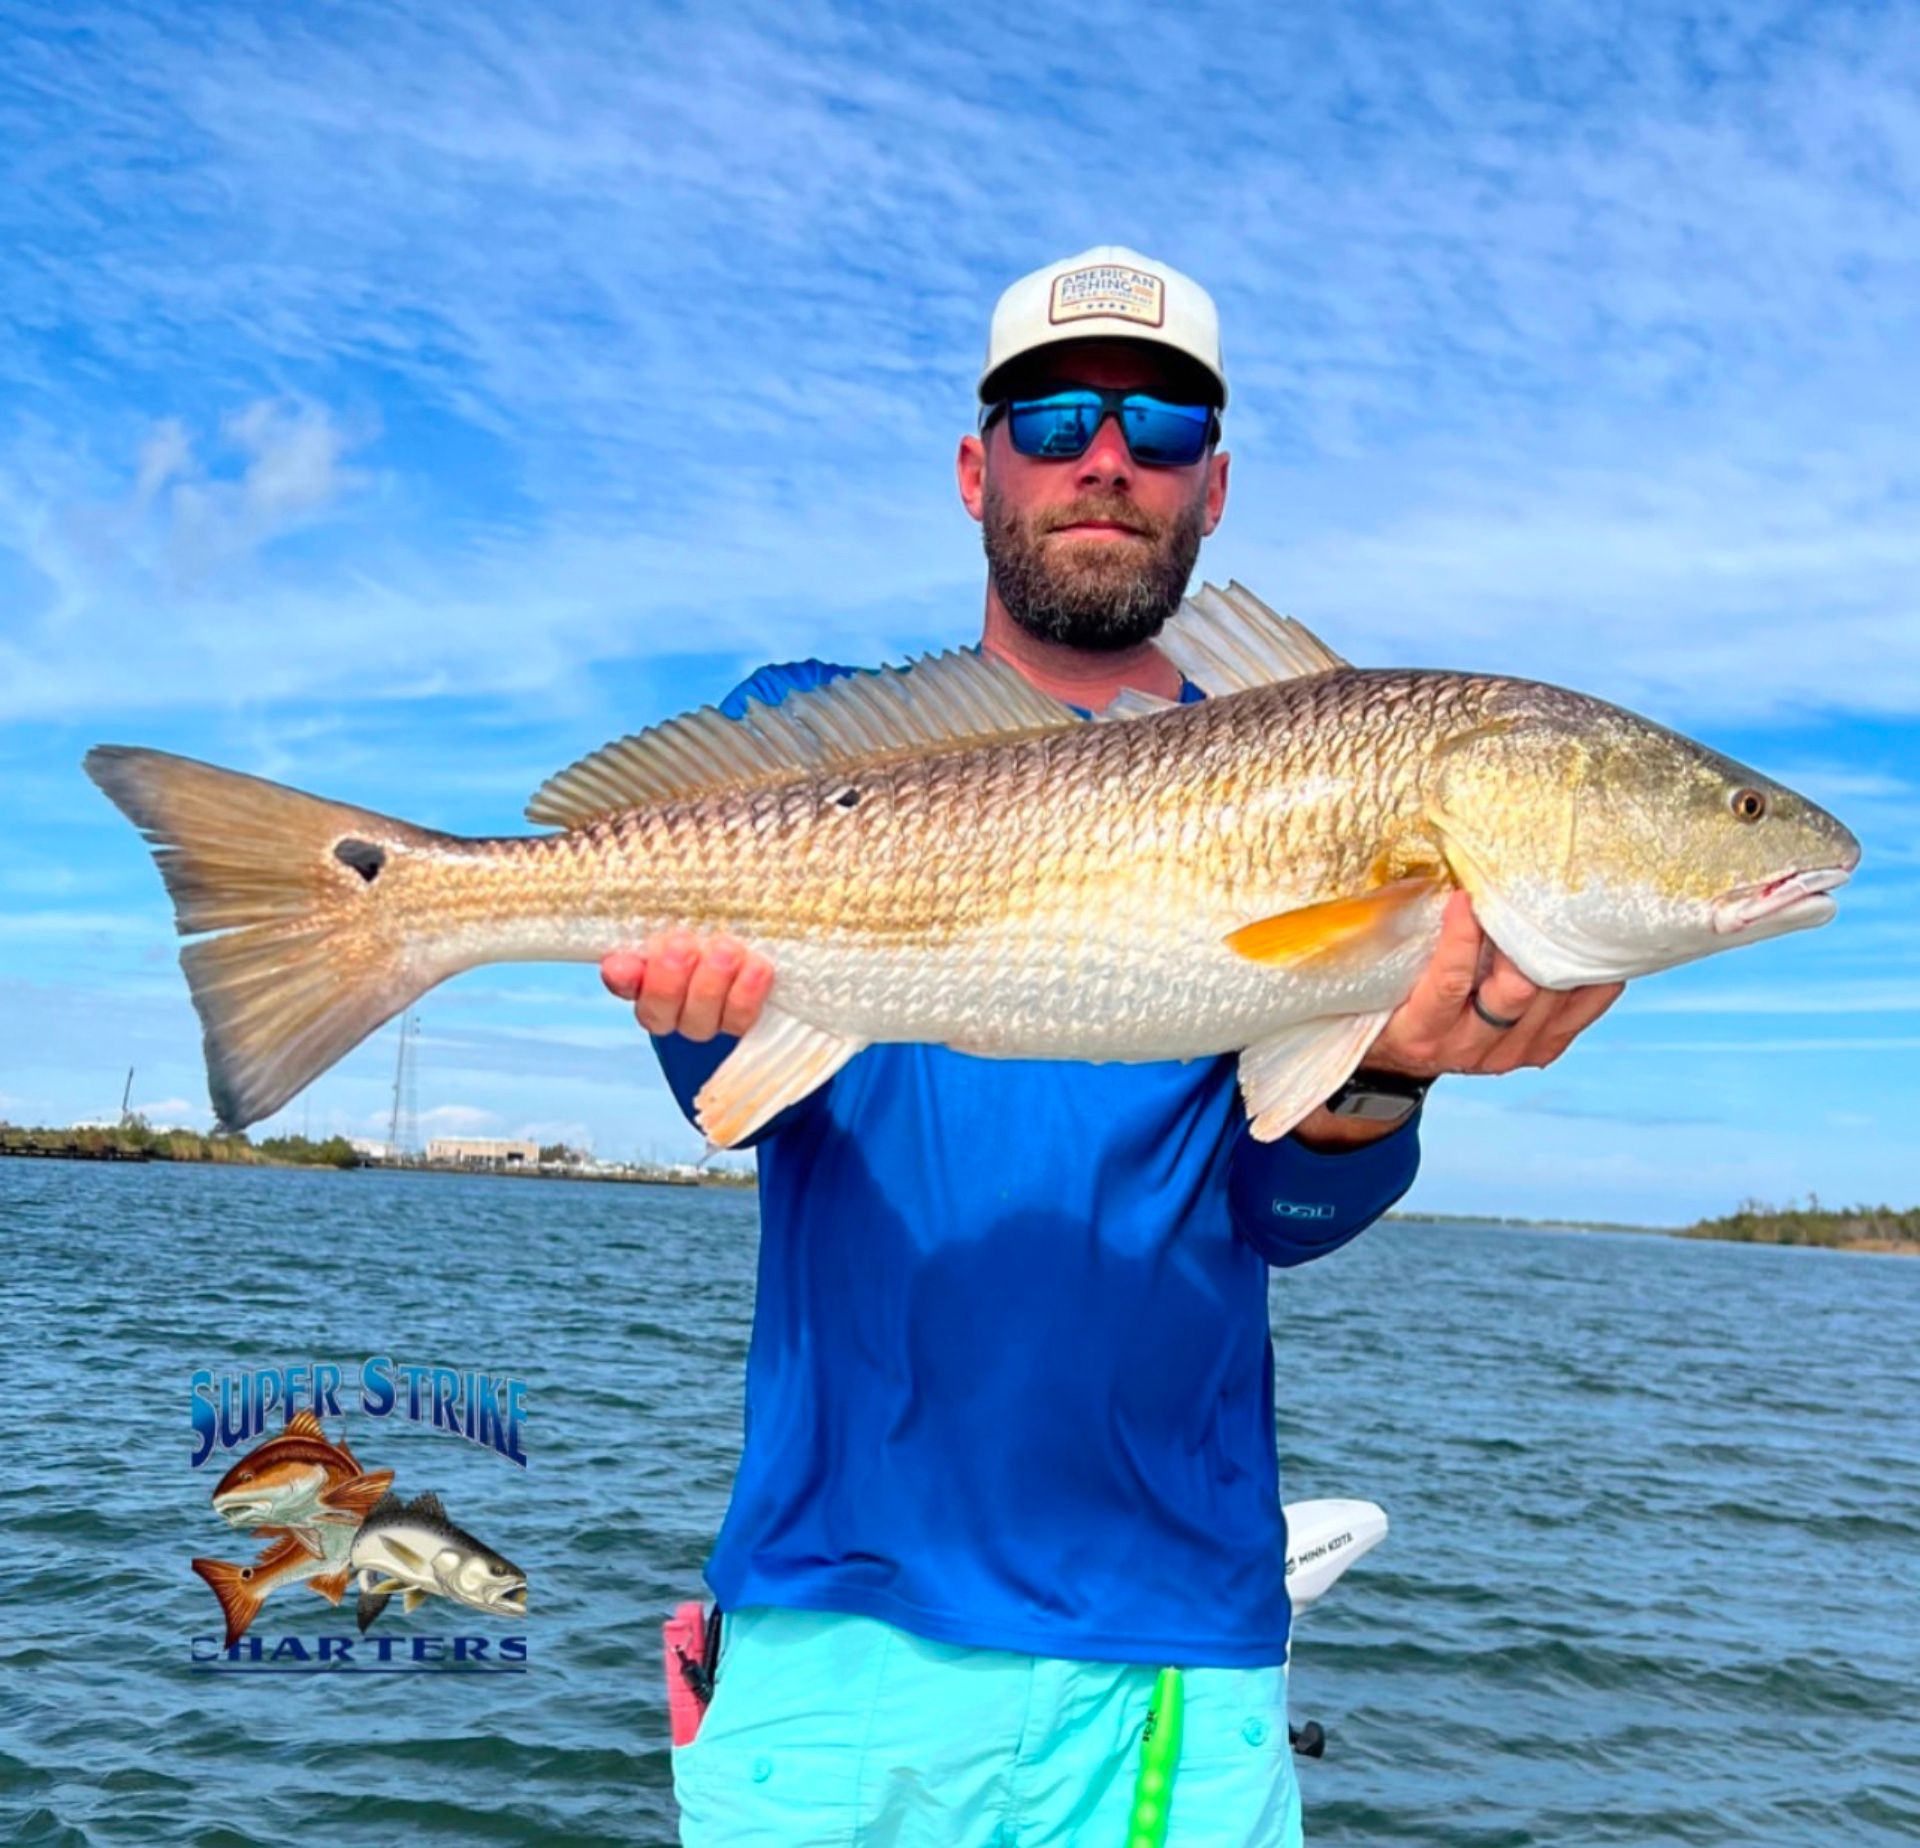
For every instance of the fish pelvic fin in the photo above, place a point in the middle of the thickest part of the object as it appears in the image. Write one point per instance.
(240, 1597)
(332, 1585)
(307, 956)
(780, 1059)
(1289, 1075)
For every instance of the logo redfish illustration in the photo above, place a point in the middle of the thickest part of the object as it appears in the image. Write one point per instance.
(306, 1495)
(301, 1481)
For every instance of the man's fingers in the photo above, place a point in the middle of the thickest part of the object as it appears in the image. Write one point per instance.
(707, 986)
(1505, 993)
(1579, 1008)
(1455, 962)
(747, 996)
(623, 971)
(664, 994)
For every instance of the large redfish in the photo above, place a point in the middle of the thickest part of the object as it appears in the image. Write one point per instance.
(941, 853)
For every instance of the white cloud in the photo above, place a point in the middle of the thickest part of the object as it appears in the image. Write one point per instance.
(1606, 388)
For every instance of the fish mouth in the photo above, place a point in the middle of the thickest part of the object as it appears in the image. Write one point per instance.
(1794, 901)
(249, 1511)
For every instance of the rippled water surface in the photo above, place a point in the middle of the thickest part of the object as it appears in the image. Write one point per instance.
(1654, 1575)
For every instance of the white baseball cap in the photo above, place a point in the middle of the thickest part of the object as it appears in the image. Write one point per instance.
(1106, 293)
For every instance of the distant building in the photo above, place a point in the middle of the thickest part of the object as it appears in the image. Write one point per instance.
(483, 1152)
(368, 1149)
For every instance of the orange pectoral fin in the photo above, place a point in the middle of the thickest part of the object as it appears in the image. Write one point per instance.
(1295, 937)
(358, 1495)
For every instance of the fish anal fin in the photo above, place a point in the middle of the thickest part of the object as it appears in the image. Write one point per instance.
(332, 1585)
(1377, 919)
(962, 697)
(779, 1060)
(412, 1599)
(1290, 1074)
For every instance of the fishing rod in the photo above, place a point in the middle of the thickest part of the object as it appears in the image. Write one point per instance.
(1323, 1539)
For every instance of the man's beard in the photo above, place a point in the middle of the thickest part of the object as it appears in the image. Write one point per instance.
(1103, 595)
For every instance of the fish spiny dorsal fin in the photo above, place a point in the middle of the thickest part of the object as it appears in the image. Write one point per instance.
(1226, 641)
(427, 1505)
(389, 1507)
(305, 1424)
(963, 697)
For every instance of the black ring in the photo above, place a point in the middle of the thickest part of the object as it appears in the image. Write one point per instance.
(1492, 1020)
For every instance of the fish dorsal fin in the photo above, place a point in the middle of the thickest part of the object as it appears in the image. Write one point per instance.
(427, 1503)
(305, 1424)
(1226, 641)
(1131, 703)
(961, 697)
(388, 1508)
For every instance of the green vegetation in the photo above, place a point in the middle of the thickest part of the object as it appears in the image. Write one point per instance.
(1852, 1228)
(136, 1140)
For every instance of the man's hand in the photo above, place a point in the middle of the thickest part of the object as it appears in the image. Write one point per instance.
(697, 986)
(1436, 1030)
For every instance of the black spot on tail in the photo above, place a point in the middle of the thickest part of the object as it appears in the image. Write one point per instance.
(365, 857)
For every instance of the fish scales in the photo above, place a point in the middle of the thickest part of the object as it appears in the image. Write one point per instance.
(1232, 874)
(1079, 869)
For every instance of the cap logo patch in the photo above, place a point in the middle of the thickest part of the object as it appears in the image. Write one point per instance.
(1110, 290)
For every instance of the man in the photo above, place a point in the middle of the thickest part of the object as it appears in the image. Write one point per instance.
(1010, 1435)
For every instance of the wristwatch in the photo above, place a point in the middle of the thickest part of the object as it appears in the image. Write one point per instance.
(1379, 1097)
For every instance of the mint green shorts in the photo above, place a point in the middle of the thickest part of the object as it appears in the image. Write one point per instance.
(845, 1730)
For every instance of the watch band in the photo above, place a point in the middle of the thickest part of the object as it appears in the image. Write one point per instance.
(1379, 1097)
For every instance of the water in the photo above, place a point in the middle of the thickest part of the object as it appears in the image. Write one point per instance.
(1654, 1576)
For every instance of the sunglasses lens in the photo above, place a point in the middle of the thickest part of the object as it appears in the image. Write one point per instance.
(1166, 435)
(1059, 427)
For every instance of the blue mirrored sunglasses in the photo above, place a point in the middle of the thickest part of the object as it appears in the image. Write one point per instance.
(1061, 426)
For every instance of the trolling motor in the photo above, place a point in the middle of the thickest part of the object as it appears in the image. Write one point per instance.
(1323, 1539)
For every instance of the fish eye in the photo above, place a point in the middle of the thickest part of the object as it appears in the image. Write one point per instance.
(1748, 804)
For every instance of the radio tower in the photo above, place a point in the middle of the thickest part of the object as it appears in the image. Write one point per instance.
(403, 1131)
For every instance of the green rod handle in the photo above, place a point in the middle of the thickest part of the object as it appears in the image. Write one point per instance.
(1159, 1759)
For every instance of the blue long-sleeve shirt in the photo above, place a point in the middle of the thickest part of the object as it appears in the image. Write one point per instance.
(1010, 1382)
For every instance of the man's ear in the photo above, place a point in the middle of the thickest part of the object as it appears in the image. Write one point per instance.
(970, 472)
(1218, 465)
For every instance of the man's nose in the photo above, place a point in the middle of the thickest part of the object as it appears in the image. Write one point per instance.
(1108, 462)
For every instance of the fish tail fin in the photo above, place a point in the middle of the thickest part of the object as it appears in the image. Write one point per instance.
(310, 957)
(240, 1599)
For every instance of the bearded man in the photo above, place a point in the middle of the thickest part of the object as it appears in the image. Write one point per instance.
(1010, 1396)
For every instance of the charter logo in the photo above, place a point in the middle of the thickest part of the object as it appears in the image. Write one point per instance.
(324, 1520)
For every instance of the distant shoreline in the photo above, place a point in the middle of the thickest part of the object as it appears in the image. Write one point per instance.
(139, 1145)
(1880, 1229)
(1860, 1228)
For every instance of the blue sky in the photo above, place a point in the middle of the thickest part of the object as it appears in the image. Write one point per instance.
(399, 401)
